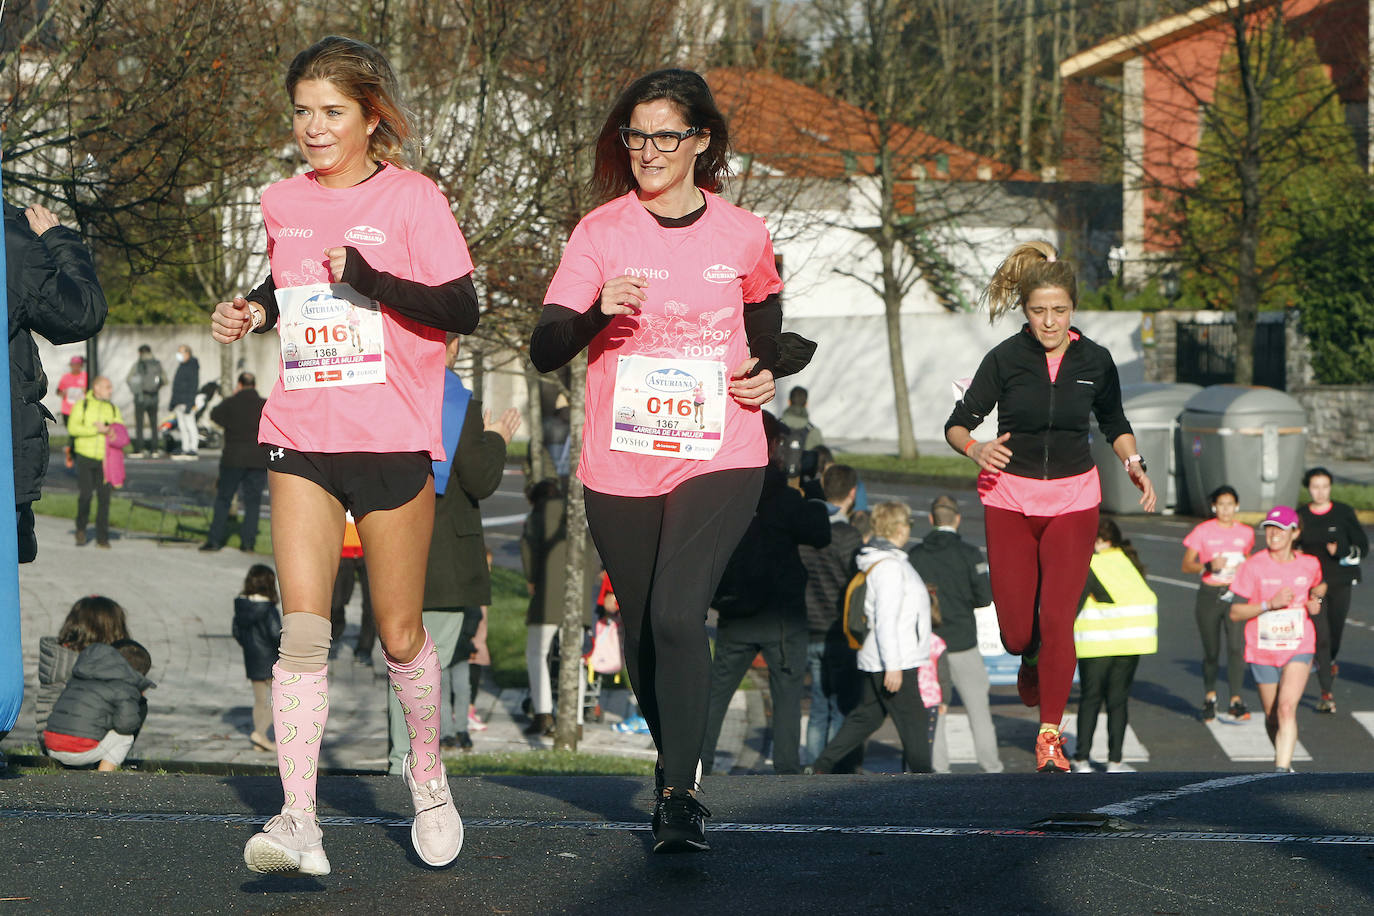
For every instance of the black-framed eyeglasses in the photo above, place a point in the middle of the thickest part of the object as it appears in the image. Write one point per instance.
(665, 141)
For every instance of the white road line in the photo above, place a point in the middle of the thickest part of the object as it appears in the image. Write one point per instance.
(959, 738)
(1364, 718)
(1141, 803)
(1247, 741)
(1132, 751)
(1181, 583)
(496, 521)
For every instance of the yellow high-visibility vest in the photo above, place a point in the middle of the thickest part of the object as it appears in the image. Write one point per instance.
(1128, 625)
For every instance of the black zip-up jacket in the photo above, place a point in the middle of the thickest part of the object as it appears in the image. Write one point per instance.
(960, 576)
(1048, 421)
(1341, 526)
(104, 694)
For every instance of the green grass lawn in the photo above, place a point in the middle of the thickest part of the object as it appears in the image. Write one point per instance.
(548, 763)
(945, 464)
(124, 515)
(506, 627)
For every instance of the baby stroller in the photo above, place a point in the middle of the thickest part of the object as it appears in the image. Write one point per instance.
(210, 435)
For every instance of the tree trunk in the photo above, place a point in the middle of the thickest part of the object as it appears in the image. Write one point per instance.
(1248, 235)
(575, 592)
(996, 128)
(536, 462)
(1027, 81)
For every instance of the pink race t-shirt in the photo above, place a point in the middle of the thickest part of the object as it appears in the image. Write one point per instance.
(1210, 539)
(1259, 579)
(400, 222)
(700, 277)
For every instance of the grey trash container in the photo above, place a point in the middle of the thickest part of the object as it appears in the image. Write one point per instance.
(1252, 438)
(1153, 409)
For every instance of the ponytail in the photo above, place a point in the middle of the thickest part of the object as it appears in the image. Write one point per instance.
(1030, 266)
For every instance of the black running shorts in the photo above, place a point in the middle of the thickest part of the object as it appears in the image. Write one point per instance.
(362, 481)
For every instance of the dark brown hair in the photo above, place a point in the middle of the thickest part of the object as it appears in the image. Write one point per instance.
(611, 175)
(1108, 531)
(362, 73)
(261, 580)
(93, 619)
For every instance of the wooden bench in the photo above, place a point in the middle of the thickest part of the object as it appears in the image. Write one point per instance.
(190, 502)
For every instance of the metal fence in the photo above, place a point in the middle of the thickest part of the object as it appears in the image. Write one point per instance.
(1206, 354)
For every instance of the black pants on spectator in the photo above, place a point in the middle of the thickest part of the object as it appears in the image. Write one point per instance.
(666, 554)
(1106, 679)
(249, 483)
(145, 408)
(1330, 625)
(90, 479)
(349, 569)
(786, 658)
(908, 714)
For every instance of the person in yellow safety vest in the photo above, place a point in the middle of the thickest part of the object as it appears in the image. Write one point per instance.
(1118, 621)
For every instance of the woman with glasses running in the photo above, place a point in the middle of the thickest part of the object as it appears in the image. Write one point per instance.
(354, 432)
(669, 287)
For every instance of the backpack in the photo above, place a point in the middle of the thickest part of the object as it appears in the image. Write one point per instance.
(853, 619)
(608, 646)
(150, 376)
(793, 451)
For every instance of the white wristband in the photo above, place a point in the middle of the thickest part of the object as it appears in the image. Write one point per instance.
(258, 316)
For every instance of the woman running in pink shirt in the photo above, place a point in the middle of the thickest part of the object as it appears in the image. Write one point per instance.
(668, 497)
(1216, 548)
(1277, 592)
(354, 431)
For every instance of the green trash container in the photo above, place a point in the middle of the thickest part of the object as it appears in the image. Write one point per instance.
(1250, 437)
(1153, 409)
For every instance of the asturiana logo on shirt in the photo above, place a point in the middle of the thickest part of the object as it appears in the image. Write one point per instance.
(322, 306)
(292, 232)
(720, 273)
(648, 273)
(365, 235)
(673, 381)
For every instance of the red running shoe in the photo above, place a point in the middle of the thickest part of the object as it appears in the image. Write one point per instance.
(1049, 753)
(1028, 683)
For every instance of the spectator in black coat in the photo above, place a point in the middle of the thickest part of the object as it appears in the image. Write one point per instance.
(835, 681)
(242, 464)
(761, 605)
(257, 628)
(185, 384)
(53, 290)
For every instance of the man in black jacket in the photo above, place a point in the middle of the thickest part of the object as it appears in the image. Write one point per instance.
(185, 384)
(960, 576)
(761, 607)
(836, 685)
(53, 290)
(242, 464)
(457, 579)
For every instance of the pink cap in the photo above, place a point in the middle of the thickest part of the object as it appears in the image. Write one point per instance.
(1281, 517)
(78, 360)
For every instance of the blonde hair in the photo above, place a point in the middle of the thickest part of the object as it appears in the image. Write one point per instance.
(362, 73)
(1030, 266)
(888, 517)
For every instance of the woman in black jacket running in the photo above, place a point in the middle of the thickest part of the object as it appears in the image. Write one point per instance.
(1332, 534)
(1038, 483)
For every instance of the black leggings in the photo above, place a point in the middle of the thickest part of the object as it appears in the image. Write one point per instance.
(665, 555)
(908, 713)
(1213, 616)
(1104, 679)
(1330, 624)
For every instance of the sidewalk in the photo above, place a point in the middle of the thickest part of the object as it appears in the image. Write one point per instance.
(180, 605)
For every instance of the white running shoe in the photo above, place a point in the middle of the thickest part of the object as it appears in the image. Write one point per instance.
(1119, 766)
(291, 842)
(1081, 766)
(437, 831)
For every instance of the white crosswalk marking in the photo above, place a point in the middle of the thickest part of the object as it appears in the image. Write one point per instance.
(1131, 749)
(1365, 719)
(1246, 740)
(959, 738)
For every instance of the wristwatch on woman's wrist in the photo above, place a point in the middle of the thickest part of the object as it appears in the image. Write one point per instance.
(1137, 459)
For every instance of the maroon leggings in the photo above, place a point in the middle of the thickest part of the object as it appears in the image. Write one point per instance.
(1041, 560)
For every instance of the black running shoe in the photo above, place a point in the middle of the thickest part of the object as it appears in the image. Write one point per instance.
(1239, 711)
(680, 823)
(1209, 709)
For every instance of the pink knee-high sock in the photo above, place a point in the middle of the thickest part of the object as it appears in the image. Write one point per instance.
(300, 707)
(417, 687)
